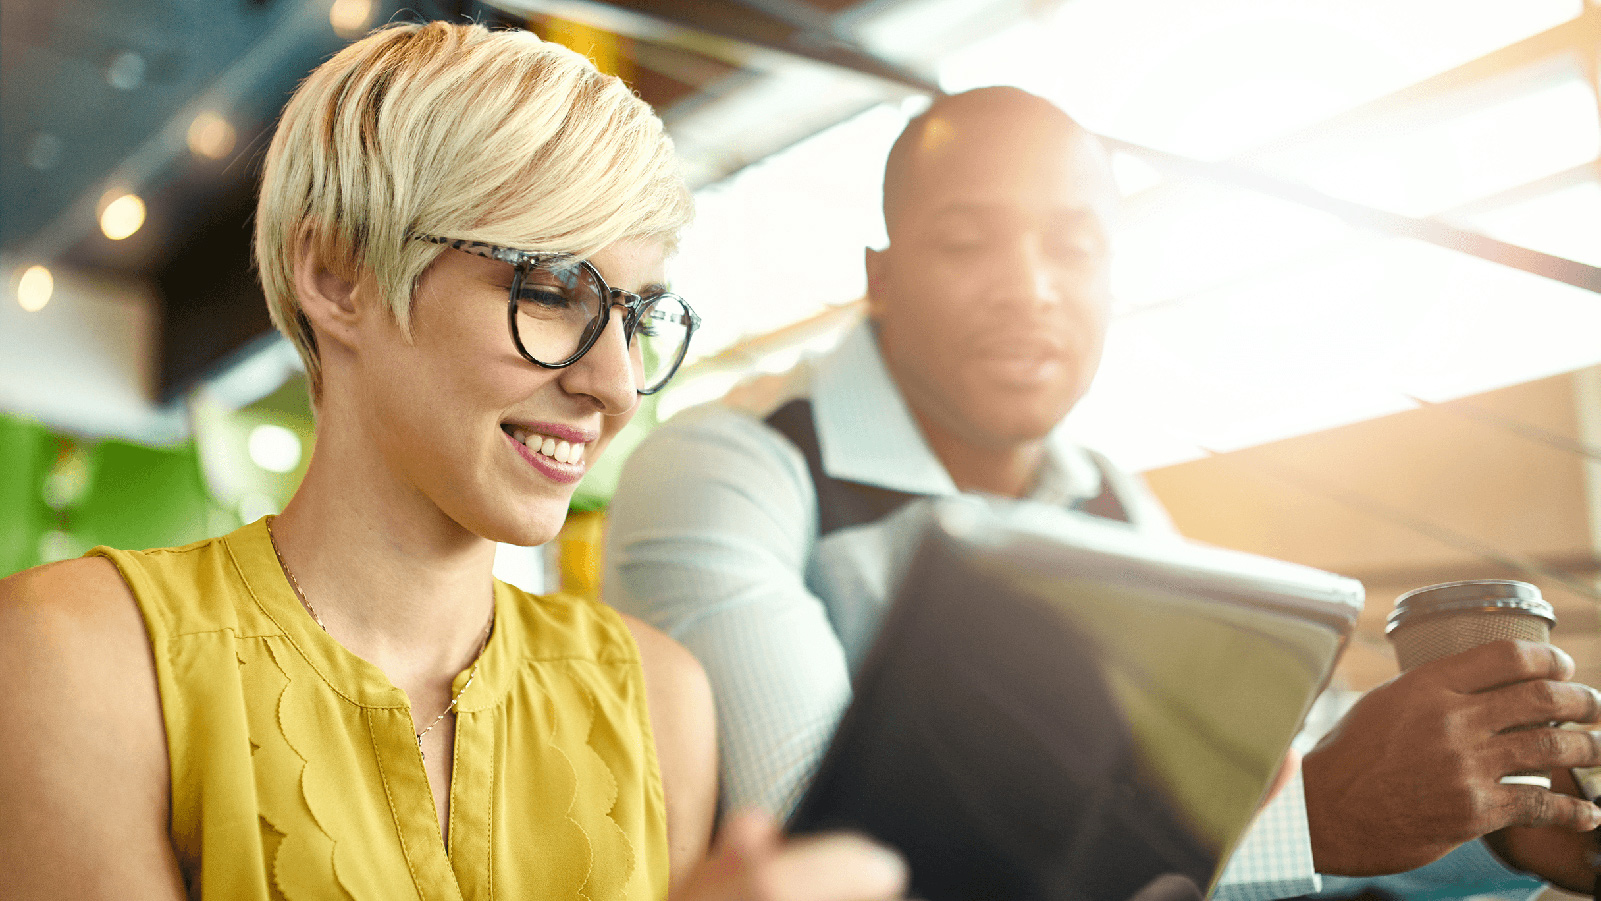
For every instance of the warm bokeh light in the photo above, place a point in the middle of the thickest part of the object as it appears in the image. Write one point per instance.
(211, 136)
(350, 18)
(274, 448)
(34, 288)
(122, 216)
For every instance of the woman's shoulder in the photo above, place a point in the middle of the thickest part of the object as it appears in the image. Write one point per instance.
(58, 600)
(75, 616)
(206, 586)
(665, 661)
(86, 740)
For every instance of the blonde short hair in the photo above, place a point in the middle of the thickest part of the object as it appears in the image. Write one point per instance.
(454, 130)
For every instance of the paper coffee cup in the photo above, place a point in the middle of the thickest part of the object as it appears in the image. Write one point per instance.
(1442, 620)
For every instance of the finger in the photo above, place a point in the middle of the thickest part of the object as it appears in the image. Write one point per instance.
(1538, 702)
(837, 867)
(1526, 805)
(1548, 748)
(749, 832)
(1169, 887)
(1496, 664)
(745, 842)
(1288, 767)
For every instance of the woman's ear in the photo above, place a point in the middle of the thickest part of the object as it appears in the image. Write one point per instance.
(327, 298)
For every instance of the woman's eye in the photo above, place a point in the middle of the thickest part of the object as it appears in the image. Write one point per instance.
(539, 296)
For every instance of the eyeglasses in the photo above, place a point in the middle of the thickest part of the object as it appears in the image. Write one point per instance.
(559, 307)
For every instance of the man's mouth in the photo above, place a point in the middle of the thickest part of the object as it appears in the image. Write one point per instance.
(1034, 341)
(548, 445)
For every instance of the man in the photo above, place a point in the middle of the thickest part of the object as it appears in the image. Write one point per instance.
(764, 532)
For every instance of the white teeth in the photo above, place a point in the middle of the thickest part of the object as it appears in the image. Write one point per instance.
(554, 448)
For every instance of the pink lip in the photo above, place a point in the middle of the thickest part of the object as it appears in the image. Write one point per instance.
(565, 473)
(562, 473)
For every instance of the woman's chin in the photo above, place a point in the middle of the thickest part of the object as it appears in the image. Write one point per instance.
(536, 532)
(523, 528)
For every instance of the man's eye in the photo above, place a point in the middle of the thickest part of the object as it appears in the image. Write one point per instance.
(1074, 247)
(962, 241)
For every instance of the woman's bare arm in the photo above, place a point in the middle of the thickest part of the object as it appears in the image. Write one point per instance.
(752, 860)
(84, 786)
(685, 725)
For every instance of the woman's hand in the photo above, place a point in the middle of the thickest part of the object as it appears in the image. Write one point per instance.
(753, 861)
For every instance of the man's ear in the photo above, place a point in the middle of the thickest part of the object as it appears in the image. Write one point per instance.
(327, 298)
(876, 263)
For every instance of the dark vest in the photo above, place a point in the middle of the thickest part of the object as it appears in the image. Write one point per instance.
(842, 504)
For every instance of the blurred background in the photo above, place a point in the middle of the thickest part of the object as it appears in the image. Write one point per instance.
(1358, 318)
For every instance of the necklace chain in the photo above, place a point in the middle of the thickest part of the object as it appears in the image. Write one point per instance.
(471, 674)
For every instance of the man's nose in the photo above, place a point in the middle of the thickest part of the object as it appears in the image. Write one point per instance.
(1031, 278)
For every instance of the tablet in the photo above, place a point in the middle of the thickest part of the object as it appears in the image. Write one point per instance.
(1057, 707)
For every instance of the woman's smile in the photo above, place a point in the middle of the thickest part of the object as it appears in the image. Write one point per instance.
(555, 450)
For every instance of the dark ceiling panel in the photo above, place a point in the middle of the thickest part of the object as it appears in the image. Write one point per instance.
(87, 82)
(212, 305)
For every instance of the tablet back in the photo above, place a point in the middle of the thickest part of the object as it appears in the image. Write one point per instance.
(1057, 708)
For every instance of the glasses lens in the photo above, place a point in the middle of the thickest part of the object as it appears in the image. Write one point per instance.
(558, 310)
(660, 340)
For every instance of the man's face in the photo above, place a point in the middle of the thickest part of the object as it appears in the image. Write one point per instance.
(992, 298)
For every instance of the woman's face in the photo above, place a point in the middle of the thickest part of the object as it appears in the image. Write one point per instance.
(492, 441)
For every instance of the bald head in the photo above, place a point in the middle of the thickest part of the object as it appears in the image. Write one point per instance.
(991, 124)
(992, 298)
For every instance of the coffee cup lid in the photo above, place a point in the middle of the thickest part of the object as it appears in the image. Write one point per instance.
(1473, 594)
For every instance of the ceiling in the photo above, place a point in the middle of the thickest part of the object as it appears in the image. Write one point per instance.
(1266, 154)
(104, 97)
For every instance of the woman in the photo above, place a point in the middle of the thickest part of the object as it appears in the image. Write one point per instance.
(463, 233)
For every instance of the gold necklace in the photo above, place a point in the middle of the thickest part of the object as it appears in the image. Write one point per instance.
(471, 674)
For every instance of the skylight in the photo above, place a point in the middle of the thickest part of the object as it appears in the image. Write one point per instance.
(1241, 318)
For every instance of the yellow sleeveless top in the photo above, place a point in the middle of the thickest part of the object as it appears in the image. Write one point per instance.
(296, 773)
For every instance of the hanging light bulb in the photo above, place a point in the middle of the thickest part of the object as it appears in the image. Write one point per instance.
(211, 136)
(34, 288)
(122, 216)
(350, 18)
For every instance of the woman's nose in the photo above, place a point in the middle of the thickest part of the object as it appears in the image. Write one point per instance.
(607, 371)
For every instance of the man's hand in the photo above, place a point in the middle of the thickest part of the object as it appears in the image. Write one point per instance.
(752, 861)
(1558, 855)
(1413, 770)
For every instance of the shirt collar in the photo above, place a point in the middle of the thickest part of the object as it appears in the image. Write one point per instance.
(866, 433)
